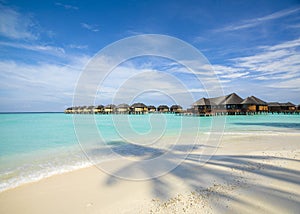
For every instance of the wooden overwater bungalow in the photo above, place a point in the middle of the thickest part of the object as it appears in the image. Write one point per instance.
(254, 105)
(81, 109)
(176, 109)
(274, 107)
(138, 108)
(109, 109)
(85, 110)
(229, 104)
(90, 110)
(286, 108)
(75, 110)
(123, 109)
(151, 109)
(69, 110)
(202, 106)
(163, 109)
(99, 109)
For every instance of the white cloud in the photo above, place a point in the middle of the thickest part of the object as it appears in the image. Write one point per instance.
(78, 46)
(288, 84)
(293, 26)
(258, 21)
(229, 72)
(66, 6)
(134, 33)
(272, 63)
(278, 66)
(15, 25)
(51, 76)
(128, 82)
(39, 48)
(289, 44)
(43, 86)
(279, 63)
(38, 85)
(93, 28)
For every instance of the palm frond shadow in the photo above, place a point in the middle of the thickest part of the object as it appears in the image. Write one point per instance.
(226, 169)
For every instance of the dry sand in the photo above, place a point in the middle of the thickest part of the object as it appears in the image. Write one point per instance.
(248, 174)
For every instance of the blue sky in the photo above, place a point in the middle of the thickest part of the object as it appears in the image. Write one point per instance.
(253, 46)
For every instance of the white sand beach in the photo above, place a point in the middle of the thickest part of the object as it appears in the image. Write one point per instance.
(248, 174)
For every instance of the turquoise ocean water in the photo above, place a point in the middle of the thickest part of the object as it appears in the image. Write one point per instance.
(37, 145)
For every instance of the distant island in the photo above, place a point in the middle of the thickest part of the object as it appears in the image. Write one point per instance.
(231, 104)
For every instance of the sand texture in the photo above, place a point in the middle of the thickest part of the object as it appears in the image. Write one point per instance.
(247, 174)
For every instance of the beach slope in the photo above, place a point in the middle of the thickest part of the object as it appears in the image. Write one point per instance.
(247, 174)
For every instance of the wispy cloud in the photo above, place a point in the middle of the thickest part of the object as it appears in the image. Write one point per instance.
(51, 85)
(276, 66)
(121, 86)
(93, 28)
(258, 21)
(134, 32)
(199, 39)
(293, 26)
(273, 62)
(42, 83)
(289, 44)
(39, 48)
(288, 84)
(229, 72)
(66, 6)
(15, 25)
(78, 46)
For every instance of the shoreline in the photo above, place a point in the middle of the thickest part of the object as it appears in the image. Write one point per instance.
(86, 163)
(240, 165)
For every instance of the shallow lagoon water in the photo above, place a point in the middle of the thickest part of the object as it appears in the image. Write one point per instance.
(37, 145)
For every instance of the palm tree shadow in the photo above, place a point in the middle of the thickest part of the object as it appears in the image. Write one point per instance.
(231, 170)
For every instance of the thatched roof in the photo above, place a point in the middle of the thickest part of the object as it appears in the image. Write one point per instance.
(151, 107)
(217, 100)
(249, 101)
(99, 107)
(274, 104)
(123, 105)
(259, 101)
(163, 107)
(288, 104)
(138, 105)
(176, 107)
(203, 102)
(231, 99)
(110, 106)
(253, 101)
